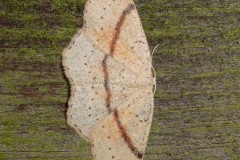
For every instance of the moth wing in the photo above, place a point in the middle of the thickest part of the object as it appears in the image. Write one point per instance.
(130, 80)
(135, 116)
(82, 62)
(101, 20)
(81, 66)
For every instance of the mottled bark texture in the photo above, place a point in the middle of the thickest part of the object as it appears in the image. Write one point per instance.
(197, 104)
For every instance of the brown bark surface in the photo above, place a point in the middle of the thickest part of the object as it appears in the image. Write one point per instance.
(197, 103)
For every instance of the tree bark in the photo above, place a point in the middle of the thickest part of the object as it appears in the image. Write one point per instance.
(197, 103)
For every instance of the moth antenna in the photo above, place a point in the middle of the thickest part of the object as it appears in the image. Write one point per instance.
(154, 77)
(153, 70)
(154, 49)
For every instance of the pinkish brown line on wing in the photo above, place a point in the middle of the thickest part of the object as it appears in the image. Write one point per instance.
(118, 28)
(125, 136)
(115, 38)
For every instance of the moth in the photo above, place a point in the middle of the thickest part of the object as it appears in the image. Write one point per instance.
(109, 66)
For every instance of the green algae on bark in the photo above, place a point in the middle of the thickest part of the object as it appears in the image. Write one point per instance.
(198, 84)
